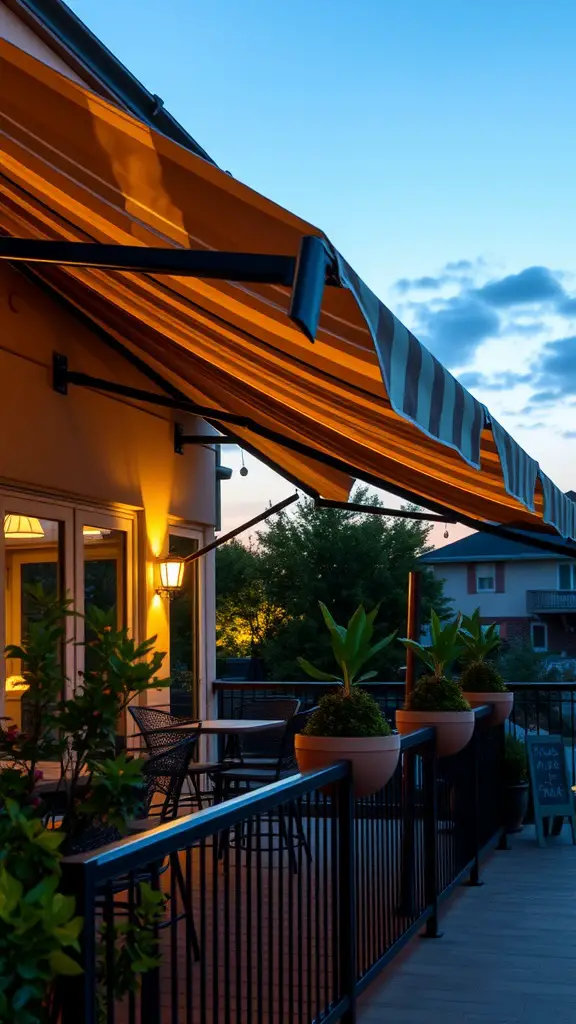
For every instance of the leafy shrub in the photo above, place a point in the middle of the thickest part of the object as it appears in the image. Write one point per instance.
(515, 761)
(433, 694)
(520, 664)
(482, 677)
(347, 714)
(38, 930)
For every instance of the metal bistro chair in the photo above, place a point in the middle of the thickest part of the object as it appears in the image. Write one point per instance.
(164, 773)
(263, 749)
(247, 776)
(154, 726)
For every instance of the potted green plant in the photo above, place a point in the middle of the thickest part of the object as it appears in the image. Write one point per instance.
(437, 699)
(348, 724)
(516, 788)
(480, 680)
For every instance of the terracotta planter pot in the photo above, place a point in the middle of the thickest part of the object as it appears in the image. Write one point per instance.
(515, 807)
(503, 704)
(454, 729)
(374, 759)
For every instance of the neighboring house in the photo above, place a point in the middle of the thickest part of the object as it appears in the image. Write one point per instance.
(530, 593)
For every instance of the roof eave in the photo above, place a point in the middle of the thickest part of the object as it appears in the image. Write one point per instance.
(68, 36)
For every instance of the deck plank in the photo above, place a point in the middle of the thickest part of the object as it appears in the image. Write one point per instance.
(507, 953)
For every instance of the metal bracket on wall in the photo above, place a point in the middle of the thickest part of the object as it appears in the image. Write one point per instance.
(307, 274)
(181, 439)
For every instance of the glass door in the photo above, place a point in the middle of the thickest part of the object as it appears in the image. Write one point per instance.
(184, 646)
(37, 551)
(104, 546)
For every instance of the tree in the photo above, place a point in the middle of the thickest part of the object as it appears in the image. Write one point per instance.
(245, 616)
(336, 556)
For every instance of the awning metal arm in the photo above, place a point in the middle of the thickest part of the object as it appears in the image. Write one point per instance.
(62, 378)
(378, 510)
(181, 439)
(240, 529)
(306, 275)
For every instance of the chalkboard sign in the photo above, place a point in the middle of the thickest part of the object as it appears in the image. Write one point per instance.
(551, 789)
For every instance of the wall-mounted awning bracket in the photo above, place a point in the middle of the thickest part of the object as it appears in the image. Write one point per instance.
(307, 274)
(181, 439)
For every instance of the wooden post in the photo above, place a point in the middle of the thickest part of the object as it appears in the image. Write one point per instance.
(409, 761)
(413, 624)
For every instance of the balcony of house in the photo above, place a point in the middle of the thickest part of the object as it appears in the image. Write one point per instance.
(288, 902)
(550, 602)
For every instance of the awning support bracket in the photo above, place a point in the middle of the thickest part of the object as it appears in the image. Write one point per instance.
(271, 511)
(378, 510)
(63, 377)
(306, 274)
(181, 439)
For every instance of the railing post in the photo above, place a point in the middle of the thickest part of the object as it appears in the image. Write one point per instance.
(474, 878)
(408, 826)
(503, 842)
(347, 932)
(431, 840)
(76, 995)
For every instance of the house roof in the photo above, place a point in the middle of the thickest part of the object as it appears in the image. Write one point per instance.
(58, 26)
(485, 547)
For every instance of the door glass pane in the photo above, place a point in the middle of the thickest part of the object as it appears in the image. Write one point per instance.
(565, 576)
(104, 576)
(33, 557)
(183, 639)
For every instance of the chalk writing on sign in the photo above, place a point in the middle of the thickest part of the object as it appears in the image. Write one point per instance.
(550, 772)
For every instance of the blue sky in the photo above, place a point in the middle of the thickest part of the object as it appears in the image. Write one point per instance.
(434, 144)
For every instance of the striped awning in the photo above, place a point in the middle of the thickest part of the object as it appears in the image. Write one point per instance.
(366, 401)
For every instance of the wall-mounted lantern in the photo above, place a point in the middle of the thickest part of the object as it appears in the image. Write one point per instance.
(170, 575)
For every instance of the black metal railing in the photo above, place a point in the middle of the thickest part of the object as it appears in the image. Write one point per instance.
(547, 709)
(284, 903)
(232, 697)
(541, 707)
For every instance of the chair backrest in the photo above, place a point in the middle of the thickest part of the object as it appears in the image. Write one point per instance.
(164, 772)
(154, 726)
(268, 743)
(297, 725)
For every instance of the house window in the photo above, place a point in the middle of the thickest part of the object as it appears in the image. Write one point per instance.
(485, 577)
(539, 636)
(567, 576)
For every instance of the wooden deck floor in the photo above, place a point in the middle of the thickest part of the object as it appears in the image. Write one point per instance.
(508, 951)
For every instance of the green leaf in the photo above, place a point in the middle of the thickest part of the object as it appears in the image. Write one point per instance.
(61, 963)
(337, 633)
(366, 677)
(317, 673)
(354, 634)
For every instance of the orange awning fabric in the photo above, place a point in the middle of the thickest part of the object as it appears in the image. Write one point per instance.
(366, 400)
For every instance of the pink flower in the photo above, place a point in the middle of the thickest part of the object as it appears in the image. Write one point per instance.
(38, 774)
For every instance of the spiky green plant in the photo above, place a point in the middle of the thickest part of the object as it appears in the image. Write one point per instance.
(446, 647)
(479, 641)
(438, 691)
(352, 648)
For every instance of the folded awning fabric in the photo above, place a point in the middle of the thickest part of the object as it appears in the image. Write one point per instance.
(366, 400)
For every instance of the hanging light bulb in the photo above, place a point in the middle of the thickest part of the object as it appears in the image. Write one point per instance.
(22, 527)
(243, 470)
(446, 534)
